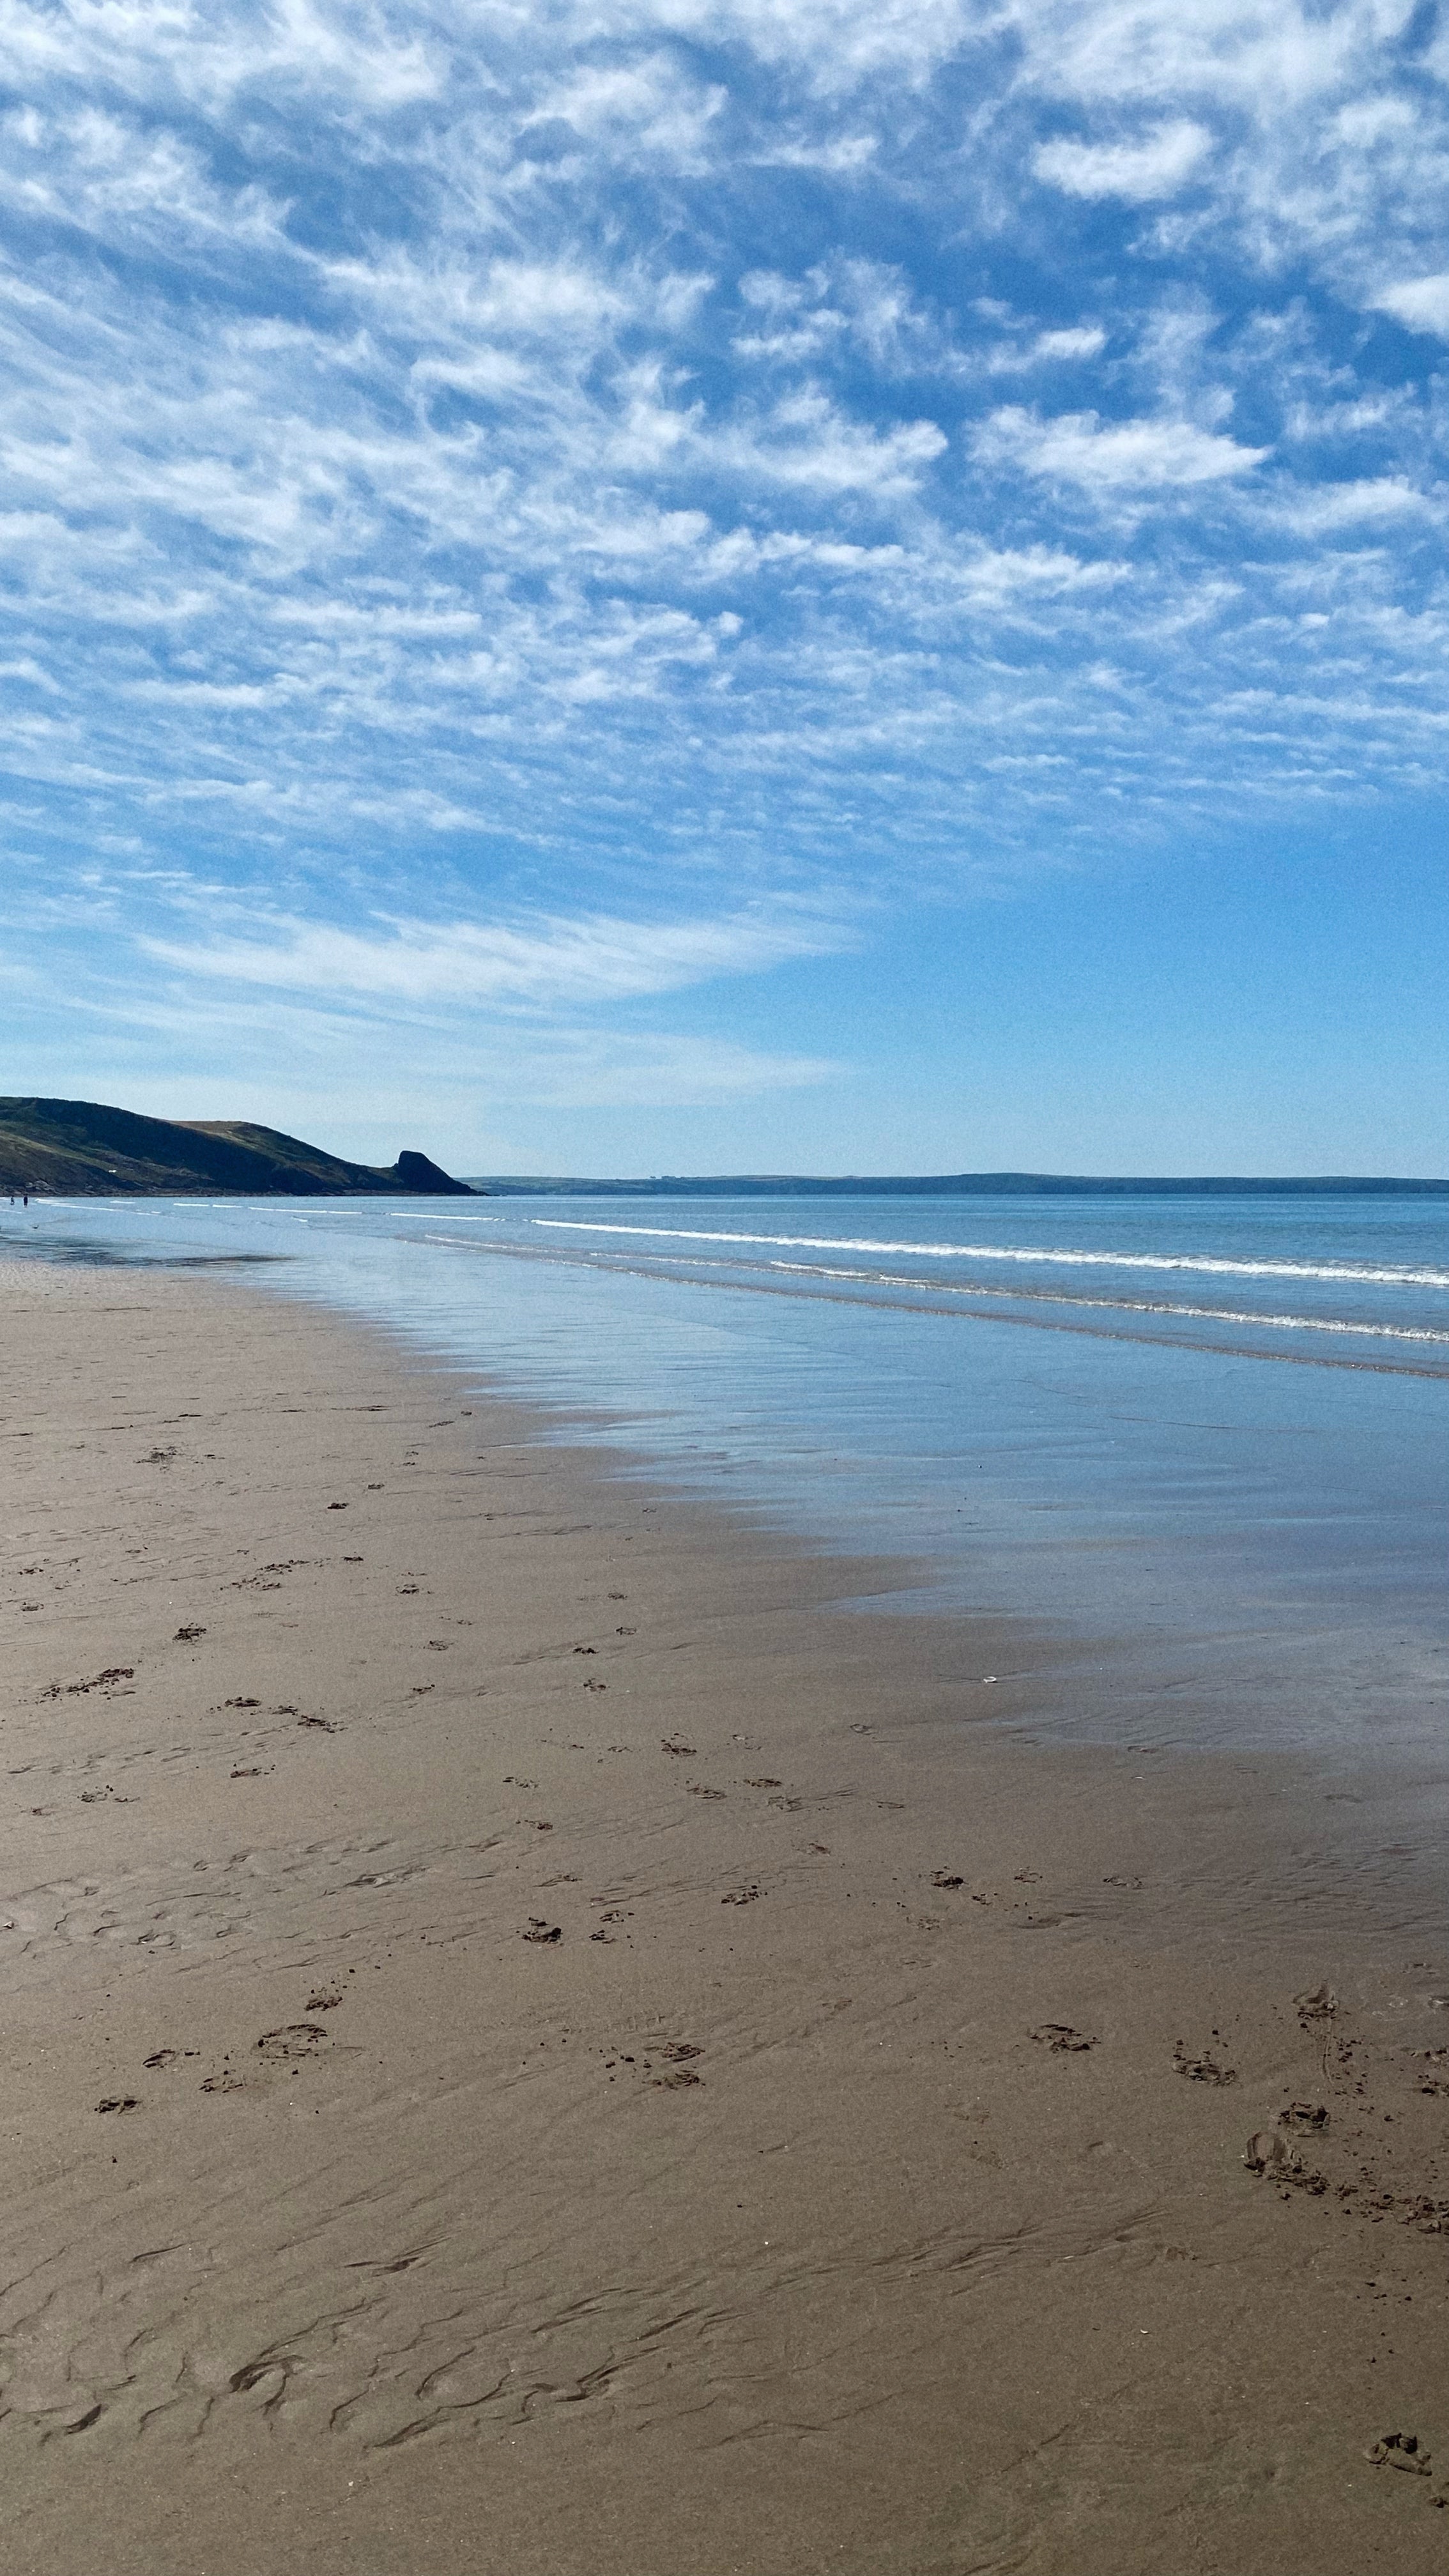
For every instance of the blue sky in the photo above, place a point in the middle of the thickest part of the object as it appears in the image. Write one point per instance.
(782, 584)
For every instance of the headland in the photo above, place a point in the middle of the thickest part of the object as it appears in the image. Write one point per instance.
(84, 1149)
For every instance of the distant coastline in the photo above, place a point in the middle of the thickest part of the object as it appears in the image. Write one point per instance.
(1026, 1185)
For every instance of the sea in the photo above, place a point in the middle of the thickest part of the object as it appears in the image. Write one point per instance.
(1198, 1446)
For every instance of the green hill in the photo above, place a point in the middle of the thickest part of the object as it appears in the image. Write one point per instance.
(82, 1149)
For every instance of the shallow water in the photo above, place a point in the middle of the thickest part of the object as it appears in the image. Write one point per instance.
(1208, 1440)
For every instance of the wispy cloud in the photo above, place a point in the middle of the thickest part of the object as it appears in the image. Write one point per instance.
(545, 965)
(527, 511)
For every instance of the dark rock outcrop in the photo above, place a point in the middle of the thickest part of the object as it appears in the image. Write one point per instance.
(415, 1172)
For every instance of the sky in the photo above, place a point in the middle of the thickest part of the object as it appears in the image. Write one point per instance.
(787, 585)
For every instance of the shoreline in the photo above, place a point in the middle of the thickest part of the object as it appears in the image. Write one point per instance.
(746, 2224)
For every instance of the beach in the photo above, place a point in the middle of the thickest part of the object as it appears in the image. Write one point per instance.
(539, 2041)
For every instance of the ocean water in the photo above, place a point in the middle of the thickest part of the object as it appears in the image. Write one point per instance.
(1202, 1444)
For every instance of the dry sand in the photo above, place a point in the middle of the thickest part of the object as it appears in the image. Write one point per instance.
(533, 2042)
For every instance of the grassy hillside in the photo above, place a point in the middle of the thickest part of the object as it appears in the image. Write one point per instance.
(84, 1149)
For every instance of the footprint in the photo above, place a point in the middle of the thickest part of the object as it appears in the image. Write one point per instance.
(1060, 2035)
(740, 1896)
(119, 2102)
(1201, 2070)
(1268, 2151)
(99, 1681)
(1399, 2451)
(1318, 2004)
(676, 1745)
(292, 2044)
(946, 1878)
(542, 1932)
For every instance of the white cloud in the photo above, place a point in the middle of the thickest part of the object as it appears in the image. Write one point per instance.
(839, 158)
(1035, 572)
(1265, 56)
(558, 301)
(1325, 506)
(1070, 346)
(1158, 166)
(186, 54)
(1113, 456)
(648, 110)
(1422, 303)
(1083, 340)
(839, 307)
(542, 965)
(808, 442)
(834, 44)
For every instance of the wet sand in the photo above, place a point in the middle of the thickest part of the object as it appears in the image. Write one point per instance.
(538, 2044)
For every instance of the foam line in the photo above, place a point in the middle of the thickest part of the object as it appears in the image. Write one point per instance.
(1346, 1273)
(1117, 1305)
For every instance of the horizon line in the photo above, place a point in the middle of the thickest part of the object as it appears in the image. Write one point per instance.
(1325, 1181)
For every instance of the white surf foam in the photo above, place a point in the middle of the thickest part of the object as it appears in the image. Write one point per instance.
(1346, 1273)
(1170, 1309)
